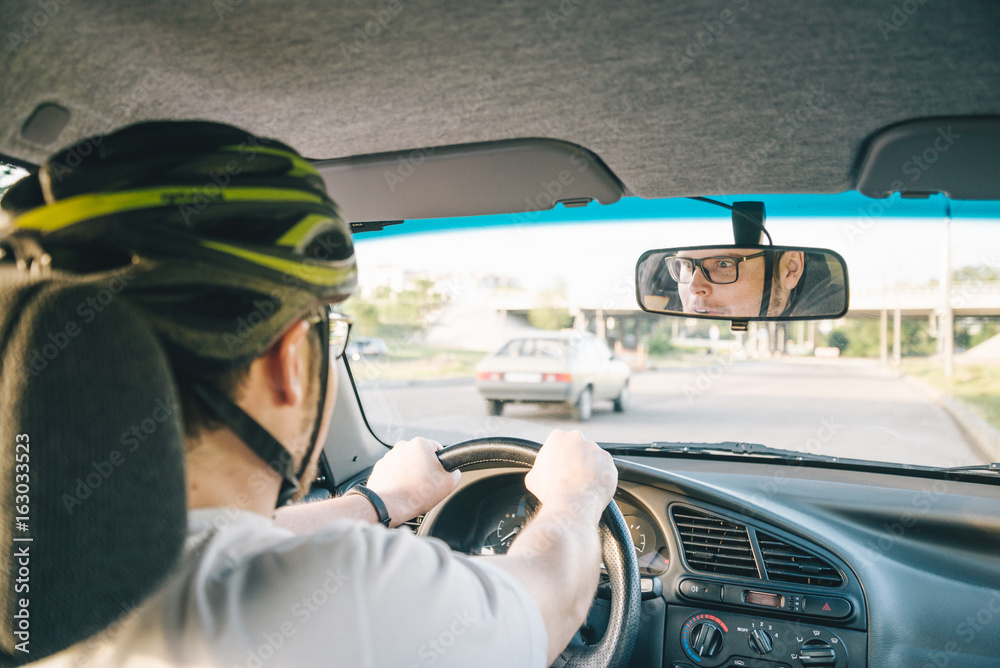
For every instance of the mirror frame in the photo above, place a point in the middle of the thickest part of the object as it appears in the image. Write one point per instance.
(826, 251)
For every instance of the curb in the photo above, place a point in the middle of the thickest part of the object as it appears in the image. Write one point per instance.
(984, 437)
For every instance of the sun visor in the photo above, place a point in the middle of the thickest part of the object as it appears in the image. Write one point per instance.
(957, 156)
(515, 176)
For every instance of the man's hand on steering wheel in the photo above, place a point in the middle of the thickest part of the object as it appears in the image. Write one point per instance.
(410, 479)
(569, 469)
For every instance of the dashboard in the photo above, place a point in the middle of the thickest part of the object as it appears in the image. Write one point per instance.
(766, 565)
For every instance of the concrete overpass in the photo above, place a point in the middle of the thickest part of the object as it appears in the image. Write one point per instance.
(967, 298)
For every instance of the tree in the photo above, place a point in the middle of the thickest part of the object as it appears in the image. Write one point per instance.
(983, 272)
(364, 314)
(838, 339)
(549, 318)
(549, 314)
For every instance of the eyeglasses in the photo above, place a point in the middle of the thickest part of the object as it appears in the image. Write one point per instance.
(719, 270)
(339, 326)
(340, 331)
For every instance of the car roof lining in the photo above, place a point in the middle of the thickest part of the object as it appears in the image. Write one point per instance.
(716, 97)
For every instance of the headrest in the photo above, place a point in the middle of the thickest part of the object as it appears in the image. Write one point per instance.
(92, 496)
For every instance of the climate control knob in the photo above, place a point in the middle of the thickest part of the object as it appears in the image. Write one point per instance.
(706, 639)
(760, 641)
(817, 654)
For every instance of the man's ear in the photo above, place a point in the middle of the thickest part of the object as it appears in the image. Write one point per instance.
(288, 365)
(791, 268)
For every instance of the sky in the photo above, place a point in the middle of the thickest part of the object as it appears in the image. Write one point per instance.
(879, 253)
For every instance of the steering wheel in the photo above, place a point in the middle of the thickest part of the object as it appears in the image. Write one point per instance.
(615, 648)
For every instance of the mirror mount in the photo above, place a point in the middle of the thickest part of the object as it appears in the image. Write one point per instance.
(748, 223)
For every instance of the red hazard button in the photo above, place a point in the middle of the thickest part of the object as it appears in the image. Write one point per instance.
(826, 606)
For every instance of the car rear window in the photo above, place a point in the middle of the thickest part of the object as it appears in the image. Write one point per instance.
(535, 348)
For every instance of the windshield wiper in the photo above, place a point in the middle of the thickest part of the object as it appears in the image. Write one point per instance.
(766, 452)
(990, 468)
(727, 447)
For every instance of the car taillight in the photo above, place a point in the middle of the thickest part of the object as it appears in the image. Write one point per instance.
(557, 378)
(489, 375)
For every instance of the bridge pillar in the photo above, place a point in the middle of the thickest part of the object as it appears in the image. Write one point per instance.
(948, 349)
(897, 336)
(883, 344)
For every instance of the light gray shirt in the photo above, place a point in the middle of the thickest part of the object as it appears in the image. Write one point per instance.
(248, 594)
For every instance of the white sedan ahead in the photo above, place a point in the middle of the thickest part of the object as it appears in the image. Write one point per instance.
(570, 367)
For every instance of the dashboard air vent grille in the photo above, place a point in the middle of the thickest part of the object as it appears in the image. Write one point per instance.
(714, 545)
(787, 563)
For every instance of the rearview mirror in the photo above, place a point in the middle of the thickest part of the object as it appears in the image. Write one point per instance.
(743, 283)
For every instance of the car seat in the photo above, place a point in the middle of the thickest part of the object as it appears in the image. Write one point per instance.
(92, 489)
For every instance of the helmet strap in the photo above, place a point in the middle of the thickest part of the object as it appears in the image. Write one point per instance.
(260, 441)
(765, 297)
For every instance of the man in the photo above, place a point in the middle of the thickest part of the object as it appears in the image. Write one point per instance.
(233, 254)
(733, 282)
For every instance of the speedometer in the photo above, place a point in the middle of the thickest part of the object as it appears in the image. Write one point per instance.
(505, 527)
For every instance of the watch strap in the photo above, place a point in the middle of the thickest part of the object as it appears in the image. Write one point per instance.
(375, 500)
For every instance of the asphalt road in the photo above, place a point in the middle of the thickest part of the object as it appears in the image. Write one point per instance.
(844, 408)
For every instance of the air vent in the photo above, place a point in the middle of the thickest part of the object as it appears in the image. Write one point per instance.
(714, 545)
(414, 524)
(787, 563)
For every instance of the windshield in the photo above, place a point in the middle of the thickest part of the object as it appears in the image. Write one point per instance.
(509, 326)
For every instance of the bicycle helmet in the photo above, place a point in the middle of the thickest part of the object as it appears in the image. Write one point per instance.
(220, 238)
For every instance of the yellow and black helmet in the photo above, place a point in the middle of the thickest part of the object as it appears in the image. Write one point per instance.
(220, 237)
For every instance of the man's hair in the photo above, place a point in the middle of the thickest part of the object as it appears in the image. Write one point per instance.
(198, 417)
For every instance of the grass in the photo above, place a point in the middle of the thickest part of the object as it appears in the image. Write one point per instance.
(418, 362)
(978, 386)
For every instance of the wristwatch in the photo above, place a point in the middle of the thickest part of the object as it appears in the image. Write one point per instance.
(379, 505)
